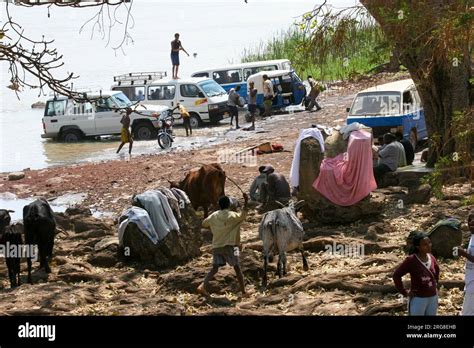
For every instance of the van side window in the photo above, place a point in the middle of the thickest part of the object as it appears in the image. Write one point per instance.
(254, 70)
(56, 108)
(81, 108)
(227, 76)
(132, 93)
(190, 91)
(161, 92)
(202, 74)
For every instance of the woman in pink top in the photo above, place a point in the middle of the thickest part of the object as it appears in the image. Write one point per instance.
(424, 274)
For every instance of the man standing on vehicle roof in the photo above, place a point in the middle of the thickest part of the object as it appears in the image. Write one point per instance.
(175, 48)
(125, 134)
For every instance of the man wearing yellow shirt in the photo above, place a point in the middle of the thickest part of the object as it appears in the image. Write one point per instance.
(225, 228)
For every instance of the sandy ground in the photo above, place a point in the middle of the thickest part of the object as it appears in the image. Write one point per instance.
(334, 285)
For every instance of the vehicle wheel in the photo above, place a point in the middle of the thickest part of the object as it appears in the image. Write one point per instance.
(165, 141)
(71, 136)
(195, 121)
(144, 131)
(413, 139)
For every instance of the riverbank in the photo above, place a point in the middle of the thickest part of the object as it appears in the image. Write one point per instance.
(91, 281)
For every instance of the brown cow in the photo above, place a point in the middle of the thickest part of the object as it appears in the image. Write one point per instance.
(204, 186)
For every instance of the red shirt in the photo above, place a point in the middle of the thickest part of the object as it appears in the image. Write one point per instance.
(423, 281)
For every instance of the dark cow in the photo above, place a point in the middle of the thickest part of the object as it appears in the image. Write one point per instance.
(40, 228)
(204, 186)
(10, 236)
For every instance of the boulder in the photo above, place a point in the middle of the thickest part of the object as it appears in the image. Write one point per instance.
(87, 223)
(317, 207)
(174, 249)
(106, 259)
(335, 144)
(16, 176)
(444, 238)
(419, 195)
(72, 211)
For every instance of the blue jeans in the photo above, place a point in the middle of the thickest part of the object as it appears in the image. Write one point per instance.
(423, 305)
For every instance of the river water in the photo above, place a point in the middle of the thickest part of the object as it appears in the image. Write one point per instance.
(217, 30)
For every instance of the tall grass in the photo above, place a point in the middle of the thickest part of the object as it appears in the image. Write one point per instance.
(367, 51)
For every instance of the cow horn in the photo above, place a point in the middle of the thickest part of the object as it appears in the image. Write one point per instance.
(299, 204)
(280, 204)
(10, 211)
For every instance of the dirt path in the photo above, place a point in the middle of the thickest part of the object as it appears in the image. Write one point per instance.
(86, 281)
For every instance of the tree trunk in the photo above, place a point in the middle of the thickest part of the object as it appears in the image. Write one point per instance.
(442, 81)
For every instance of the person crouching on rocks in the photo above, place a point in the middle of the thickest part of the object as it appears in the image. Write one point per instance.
(424, 274)
(225, 228)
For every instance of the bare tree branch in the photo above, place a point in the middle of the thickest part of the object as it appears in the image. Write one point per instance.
(36, 57)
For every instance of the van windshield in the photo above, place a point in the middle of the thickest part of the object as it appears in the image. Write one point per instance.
(376, 104)
(121, 100)
(211, 88)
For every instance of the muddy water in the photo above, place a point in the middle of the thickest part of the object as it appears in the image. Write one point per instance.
(10, 201)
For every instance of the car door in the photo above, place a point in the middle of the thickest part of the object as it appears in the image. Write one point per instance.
(193, 99)
(54, 113)
(107, 121)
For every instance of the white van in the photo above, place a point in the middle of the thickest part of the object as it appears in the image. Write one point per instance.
(204, 99)
(69, 121)
(230, 76)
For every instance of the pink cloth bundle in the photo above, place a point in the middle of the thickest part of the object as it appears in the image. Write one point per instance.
(348, 178)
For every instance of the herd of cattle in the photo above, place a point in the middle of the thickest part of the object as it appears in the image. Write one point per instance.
(39, 229)
(280, 230)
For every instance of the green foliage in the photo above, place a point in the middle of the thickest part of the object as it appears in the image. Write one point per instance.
(367, 51)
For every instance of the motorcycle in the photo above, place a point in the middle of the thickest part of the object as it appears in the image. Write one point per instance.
(165, 133)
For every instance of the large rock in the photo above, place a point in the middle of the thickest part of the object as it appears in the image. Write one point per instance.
(444, 239)
(16, 176)
(88, 223)
(419, 195)
(174, 249)
(335, 145)
(407, 177)
(317, 207)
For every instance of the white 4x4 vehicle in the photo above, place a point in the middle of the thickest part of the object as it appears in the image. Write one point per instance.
(69, 121)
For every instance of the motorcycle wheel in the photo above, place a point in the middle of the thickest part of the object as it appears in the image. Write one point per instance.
(165, 141)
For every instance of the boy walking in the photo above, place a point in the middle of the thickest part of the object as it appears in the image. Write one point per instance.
(125, 134)
(225, 228)
(186, 119)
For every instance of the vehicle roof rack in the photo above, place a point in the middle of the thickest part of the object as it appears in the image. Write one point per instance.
(139, 77)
